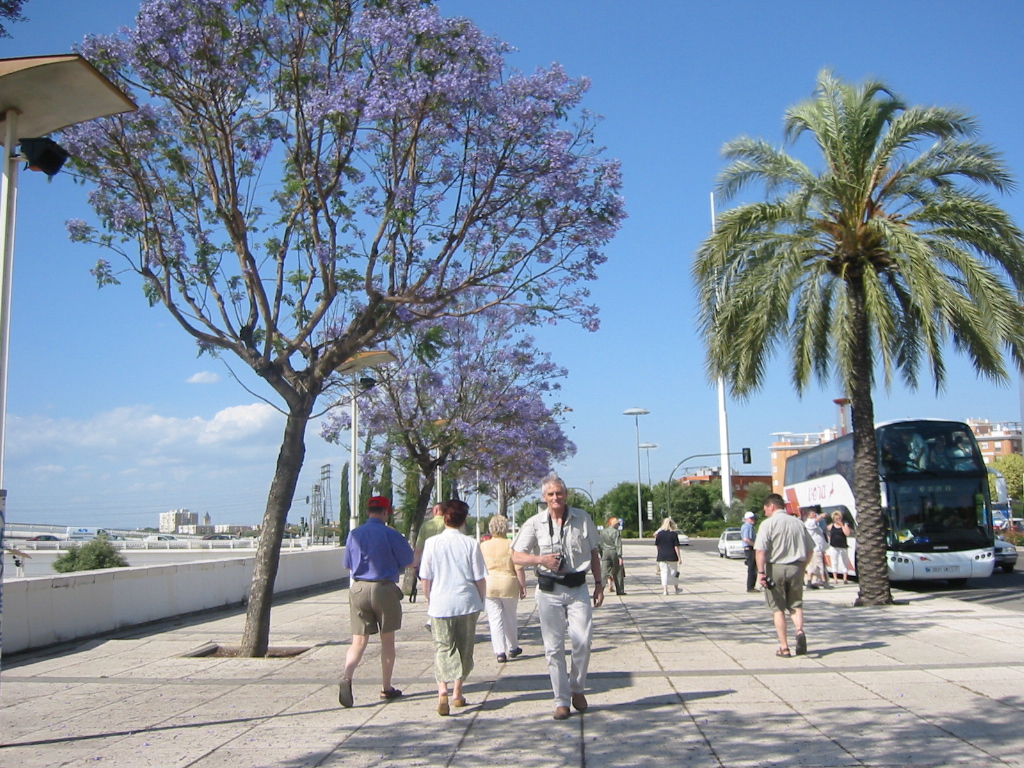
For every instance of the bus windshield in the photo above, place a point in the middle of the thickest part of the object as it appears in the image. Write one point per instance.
(928, 447)
(935, 514)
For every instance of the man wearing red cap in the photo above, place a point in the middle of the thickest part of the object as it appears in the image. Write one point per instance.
(375, 555)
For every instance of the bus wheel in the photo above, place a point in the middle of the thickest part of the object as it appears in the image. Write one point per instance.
(958, 583)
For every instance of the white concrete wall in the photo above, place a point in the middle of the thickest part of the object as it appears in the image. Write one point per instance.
(41, 611)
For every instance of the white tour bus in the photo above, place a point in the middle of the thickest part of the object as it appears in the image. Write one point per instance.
(85, 534)
(935, 497)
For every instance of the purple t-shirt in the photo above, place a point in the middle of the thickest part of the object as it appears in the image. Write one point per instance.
(374, 552)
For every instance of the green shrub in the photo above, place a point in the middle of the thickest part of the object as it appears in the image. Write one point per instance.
(89, 557)
(713, 528)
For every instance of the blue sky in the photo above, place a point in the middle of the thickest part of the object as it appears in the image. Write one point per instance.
(113, 418)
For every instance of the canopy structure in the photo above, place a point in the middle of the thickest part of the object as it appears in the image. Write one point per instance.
(53, 92)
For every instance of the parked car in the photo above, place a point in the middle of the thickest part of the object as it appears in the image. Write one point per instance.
(1006, 555)
(160, 537)
(684, 540)
(730, 543)
(218, 537)
(42, 537)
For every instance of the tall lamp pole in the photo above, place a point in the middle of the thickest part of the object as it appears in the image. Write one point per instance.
(358, 362)
(647, 449)
(636, 413)
(723, 416)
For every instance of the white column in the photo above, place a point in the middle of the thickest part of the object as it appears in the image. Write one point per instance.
(8, 206)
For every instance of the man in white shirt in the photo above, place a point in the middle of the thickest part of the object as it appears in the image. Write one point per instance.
(562, 543)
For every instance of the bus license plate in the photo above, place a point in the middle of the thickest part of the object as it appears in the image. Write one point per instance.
(942, 569)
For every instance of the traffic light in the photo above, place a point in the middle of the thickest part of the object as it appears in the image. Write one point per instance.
(746, 455)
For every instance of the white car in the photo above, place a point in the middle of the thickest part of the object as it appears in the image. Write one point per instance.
(160, 537)
(684, 540)
(1006, 555)
(730, 544)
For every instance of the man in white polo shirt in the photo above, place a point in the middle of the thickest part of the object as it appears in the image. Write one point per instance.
(562, 543)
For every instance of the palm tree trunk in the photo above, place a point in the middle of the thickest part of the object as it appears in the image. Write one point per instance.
(256, 636)
(872, 570)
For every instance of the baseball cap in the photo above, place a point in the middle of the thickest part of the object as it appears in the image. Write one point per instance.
(379, 502)
(749, 515)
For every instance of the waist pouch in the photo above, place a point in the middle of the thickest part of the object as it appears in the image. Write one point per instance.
(546, 582)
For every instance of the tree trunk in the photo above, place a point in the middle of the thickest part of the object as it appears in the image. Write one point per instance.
(422, 504)
(256, 636)
(872, 570)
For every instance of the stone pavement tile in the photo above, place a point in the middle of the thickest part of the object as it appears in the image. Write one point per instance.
(1012, 677)
(60, 712)
(284, 757)
(668, 738)
(722, 692)
(769, 736)
(887, 734)
(253, 701)
(917, 694)
(704, 659)
(159, 748)
(825, 687)
(208, 668)
(54, 755)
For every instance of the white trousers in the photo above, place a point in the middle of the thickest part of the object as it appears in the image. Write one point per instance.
(668, 570)
(566, 611)
(501, 615)
(840, 560)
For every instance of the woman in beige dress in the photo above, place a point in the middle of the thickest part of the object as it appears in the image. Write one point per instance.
(506, 585)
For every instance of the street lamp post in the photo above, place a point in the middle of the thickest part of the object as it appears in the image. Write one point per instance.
(647, 449)
(636, 413)
(358, 362)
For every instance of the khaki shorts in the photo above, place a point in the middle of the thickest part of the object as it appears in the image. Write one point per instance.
(375, 606)
(789, 586)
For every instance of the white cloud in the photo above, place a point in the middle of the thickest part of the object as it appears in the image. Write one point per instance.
(132, 462)
(238, 422)
(203, 377)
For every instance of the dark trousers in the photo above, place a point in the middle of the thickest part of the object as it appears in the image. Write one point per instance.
(751, 568)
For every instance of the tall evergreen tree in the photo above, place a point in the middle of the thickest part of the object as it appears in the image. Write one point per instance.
(344, 508)
(887, 253)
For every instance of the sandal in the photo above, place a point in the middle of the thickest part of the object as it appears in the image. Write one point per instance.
(783, 652)
(391, 694)
(442, 706)
(801, 644)
(345, 693)
(459, 701)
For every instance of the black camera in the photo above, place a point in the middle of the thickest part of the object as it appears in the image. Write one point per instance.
(769, 582)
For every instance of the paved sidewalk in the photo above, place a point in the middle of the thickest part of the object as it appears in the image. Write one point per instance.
(686, 680)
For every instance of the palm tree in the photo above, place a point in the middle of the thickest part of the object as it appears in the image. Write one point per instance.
(882, 257)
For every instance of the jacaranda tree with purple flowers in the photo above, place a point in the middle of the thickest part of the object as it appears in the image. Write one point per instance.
(306, 179)
(468, 395)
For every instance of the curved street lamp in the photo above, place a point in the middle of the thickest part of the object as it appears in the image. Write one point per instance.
(358, 362)
(636, 413)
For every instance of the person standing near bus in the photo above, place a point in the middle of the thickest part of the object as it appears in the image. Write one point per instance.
(837, 532)
(747, 534)
(783, 548)
(817, 576)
